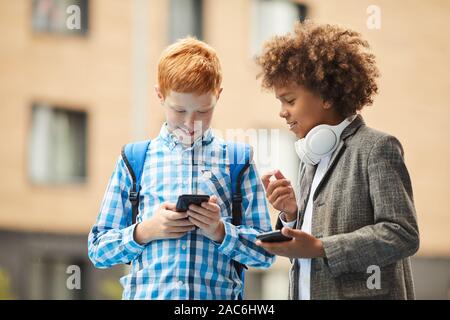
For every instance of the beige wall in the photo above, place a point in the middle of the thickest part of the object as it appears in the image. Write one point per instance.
(91, 73)
(412, 50)
(95, 73)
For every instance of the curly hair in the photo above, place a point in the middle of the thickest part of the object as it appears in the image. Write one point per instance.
(326, 59)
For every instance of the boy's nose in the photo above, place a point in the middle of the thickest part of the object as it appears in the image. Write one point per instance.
(283, 113)
(190, 122)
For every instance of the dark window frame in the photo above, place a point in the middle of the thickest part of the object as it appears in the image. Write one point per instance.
(59, 181)
(60, 30)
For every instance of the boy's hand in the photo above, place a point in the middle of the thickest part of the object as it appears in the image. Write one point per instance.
(207, 218)
(166, 223)
(303, 245)
(280, 194)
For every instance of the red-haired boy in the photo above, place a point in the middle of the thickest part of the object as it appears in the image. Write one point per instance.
(183, 255)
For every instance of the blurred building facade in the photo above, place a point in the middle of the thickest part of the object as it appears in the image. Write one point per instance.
(72, 97)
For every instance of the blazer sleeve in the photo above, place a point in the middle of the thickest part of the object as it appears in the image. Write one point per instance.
(394, 235)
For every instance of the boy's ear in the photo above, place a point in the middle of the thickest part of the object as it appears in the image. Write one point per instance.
(327, 105)
(218, 94)
(159, 94)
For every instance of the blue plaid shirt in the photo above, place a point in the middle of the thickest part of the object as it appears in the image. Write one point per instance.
(193, 266)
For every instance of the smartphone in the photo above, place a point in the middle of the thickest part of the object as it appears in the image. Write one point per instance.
(272, 236)
(185, 200)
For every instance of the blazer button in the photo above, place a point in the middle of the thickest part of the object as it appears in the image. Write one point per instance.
(317, 266)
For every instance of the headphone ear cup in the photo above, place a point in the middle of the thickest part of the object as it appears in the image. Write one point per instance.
(322, 141)
(300, 148)
(303, 153)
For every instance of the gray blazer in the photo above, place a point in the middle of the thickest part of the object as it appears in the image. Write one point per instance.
(363, 212)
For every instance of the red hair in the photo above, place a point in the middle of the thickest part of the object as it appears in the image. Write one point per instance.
(189, 65)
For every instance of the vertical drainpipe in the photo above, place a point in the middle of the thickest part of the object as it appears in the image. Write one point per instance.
(139, 76)
(140, 61)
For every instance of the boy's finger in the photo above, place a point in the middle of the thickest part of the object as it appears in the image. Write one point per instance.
(281, 190)
(279, 175)
(211, 206)
(265, 181)
(267, 175)
(169, 206)
(201, 210)
(293, 233)
(277, 183)
(279, 202)
(172, 215)
(181, 229)
(266, 178)
(213, 199)
(179, 223)
(202, 218)
(274, 197)
(198, 223)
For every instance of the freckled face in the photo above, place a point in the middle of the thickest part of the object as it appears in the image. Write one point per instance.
(189, 115)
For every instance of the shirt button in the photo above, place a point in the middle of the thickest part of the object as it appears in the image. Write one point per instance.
(207, 175)
(180, 283)
(183, 247)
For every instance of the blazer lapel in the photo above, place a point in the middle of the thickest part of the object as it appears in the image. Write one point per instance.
(305, 189)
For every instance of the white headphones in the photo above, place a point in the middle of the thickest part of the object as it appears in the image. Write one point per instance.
(320, 142)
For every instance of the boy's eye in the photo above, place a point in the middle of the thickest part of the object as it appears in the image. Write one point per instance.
(291, 102)
(180, 111)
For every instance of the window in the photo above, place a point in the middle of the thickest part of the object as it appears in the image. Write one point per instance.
(49, 277)
(186, 19)
(60, 16)
(57, 145)
(274, 17)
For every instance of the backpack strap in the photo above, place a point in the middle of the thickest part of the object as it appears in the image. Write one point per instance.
(133, 154)
(239, 155)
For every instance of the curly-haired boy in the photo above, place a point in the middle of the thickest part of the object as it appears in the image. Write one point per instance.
(352, 220)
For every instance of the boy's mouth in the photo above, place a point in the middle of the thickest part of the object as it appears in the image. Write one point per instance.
(292, 124)
(187, 132)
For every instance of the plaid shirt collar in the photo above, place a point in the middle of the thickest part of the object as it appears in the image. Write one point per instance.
(172, 141)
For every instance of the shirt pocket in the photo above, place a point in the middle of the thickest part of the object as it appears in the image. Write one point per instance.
(217, 181)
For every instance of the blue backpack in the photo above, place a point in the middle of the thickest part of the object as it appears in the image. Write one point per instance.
(133, 154)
